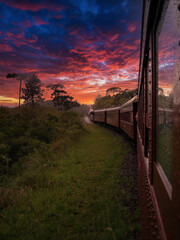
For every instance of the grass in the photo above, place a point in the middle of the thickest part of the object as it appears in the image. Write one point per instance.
(70, 196)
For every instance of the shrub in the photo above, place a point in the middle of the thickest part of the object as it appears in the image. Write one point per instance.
(26, 131)
(22, 146)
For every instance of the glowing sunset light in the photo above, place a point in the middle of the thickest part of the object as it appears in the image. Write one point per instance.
(88, 46)
(7, 101)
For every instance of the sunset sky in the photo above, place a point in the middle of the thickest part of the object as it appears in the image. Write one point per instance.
(87, 45)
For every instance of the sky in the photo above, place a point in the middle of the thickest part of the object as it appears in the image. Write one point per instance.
(86, 45)
(169, 50)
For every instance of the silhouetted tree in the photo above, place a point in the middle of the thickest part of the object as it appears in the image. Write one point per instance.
(113, 91)
(61, 100)
(98, 97)
(32, 93)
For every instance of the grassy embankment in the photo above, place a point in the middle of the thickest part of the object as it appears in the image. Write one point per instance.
(66, 187)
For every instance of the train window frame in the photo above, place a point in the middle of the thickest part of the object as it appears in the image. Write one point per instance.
(150, 103)
(146, 136)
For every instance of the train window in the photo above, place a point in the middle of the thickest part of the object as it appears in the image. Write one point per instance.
(141, 112)
(146, 145)
(149, 77)
(167, 63)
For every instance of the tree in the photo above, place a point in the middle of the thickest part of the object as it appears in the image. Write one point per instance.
(61, 100)
(33, 93)
(114, 97)
(104, 102)
(98, 97)
(113, 91)
(164, 101)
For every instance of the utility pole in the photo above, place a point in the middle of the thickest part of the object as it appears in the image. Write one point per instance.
(20, 92)
(19, 77)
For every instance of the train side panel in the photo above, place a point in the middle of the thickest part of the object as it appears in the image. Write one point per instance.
(113, 118)
(100, 116)
(127, 118)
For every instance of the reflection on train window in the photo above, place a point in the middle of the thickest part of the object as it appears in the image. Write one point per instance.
(167, 61)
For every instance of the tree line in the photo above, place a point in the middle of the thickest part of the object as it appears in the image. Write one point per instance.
(114, 97)
(32, 93)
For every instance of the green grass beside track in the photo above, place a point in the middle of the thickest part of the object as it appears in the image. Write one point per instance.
(75, 196)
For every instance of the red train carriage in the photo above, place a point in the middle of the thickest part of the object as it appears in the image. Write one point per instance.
(100, 115)
(158, 129)
(127, 117)
(121, 117)
(113, 116)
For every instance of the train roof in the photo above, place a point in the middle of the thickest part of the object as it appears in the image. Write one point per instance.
(99, 110)
(113, 108)
(90, 110)
(132, 100)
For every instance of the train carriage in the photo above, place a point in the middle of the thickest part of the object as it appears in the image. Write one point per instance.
(113, 116)
(100, 116)
(127, 117)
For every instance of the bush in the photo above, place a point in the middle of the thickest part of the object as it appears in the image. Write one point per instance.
(4, 152)
(26, 131)
(22, 146)
(4, 159)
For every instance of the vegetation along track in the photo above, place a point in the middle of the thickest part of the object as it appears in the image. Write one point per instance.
(89, 192)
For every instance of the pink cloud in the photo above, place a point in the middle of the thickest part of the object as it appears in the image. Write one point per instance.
(132, 26)
(5, 48)
(32, 6)
(39, 21)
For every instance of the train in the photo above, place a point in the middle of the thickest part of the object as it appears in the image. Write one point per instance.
(152, 119)
(123, 117)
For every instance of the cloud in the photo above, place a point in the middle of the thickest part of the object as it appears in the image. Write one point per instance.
(5, 48)
(87, 45)
(33, 5)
